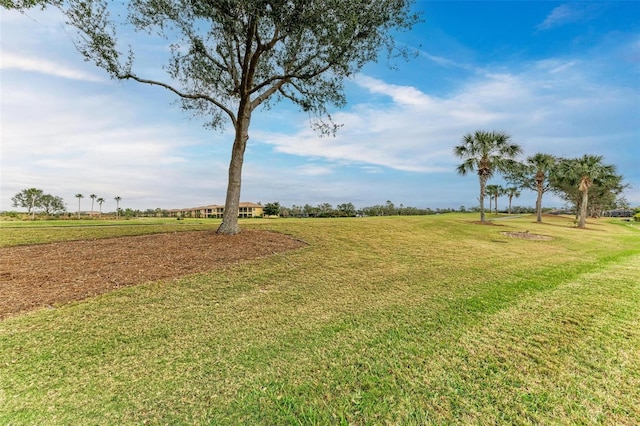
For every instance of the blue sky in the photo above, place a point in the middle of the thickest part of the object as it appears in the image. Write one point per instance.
(561, 78)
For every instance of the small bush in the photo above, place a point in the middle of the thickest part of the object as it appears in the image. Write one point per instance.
(636, 217)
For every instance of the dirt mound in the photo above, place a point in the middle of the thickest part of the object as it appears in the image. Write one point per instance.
(47, 274)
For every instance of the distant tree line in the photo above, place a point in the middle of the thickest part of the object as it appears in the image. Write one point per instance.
(349, 210)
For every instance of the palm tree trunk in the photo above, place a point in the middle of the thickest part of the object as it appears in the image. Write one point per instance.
(539, 205)
(540, 190)
(582, 220)
(483, 193)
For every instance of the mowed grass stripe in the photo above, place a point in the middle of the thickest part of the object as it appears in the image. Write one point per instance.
(568, 355)
(378, 320)
(420, 367)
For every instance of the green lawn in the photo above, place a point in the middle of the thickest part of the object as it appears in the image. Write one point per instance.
(15, 232)
(396, 320)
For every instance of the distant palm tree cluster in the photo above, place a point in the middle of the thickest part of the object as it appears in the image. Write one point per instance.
(34, 199)
(585, 182)
(100, 201)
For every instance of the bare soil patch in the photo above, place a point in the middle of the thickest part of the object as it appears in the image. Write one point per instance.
(527, 235)
(49, 274)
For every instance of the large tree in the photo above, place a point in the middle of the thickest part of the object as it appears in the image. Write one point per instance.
(34, 198)
(29, 199)
(582, 173)
(271, 209)
(486, 153)
(229, 57)
(52, 204)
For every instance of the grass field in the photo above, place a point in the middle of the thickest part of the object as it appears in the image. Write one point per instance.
(45, 231)
(395, 320)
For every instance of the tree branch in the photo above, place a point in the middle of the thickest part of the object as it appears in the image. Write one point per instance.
(264, 95)
(181, 94)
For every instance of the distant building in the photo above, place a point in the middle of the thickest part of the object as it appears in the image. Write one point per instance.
(559, 211)
(245, 210)
(619, 213)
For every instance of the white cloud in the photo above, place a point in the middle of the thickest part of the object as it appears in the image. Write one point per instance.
(554, 66)
(314, 170)
(446, 62)
(10, 60)
(63, 142)
(567, 14)
(402, 95)
(548, 106)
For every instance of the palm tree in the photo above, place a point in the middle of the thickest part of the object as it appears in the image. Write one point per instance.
(486, 153)
(494, 192)
(511, 192)
(583, 172)
(542, 165)
(79, 197)
(100, 201)
(93, 198)
(117, 198)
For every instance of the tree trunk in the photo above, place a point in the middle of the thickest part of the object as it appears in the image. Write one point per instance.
(539, 206)
(483, 193)
(229, 225)
(582, 220)
(510, 199)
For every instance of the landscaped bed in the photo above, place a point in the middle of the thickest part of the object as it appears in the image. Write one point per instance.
(45, 275)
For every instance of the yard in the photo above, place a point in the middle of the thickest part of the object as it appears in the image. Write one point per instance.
(396, 320)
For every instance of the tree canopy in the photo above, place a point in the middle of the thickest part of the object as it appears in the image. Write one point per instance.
(534, 174)
(34, 198)
(27, 4)
(228, 57)
(576, 178)
(271, 209)
(28, 198)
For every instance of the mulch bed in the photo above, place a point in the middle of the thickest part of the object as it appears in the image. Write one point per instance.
(43, 275)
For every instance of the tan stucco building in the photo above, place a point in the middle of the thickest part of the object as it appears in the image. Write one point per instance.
(246, 210)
